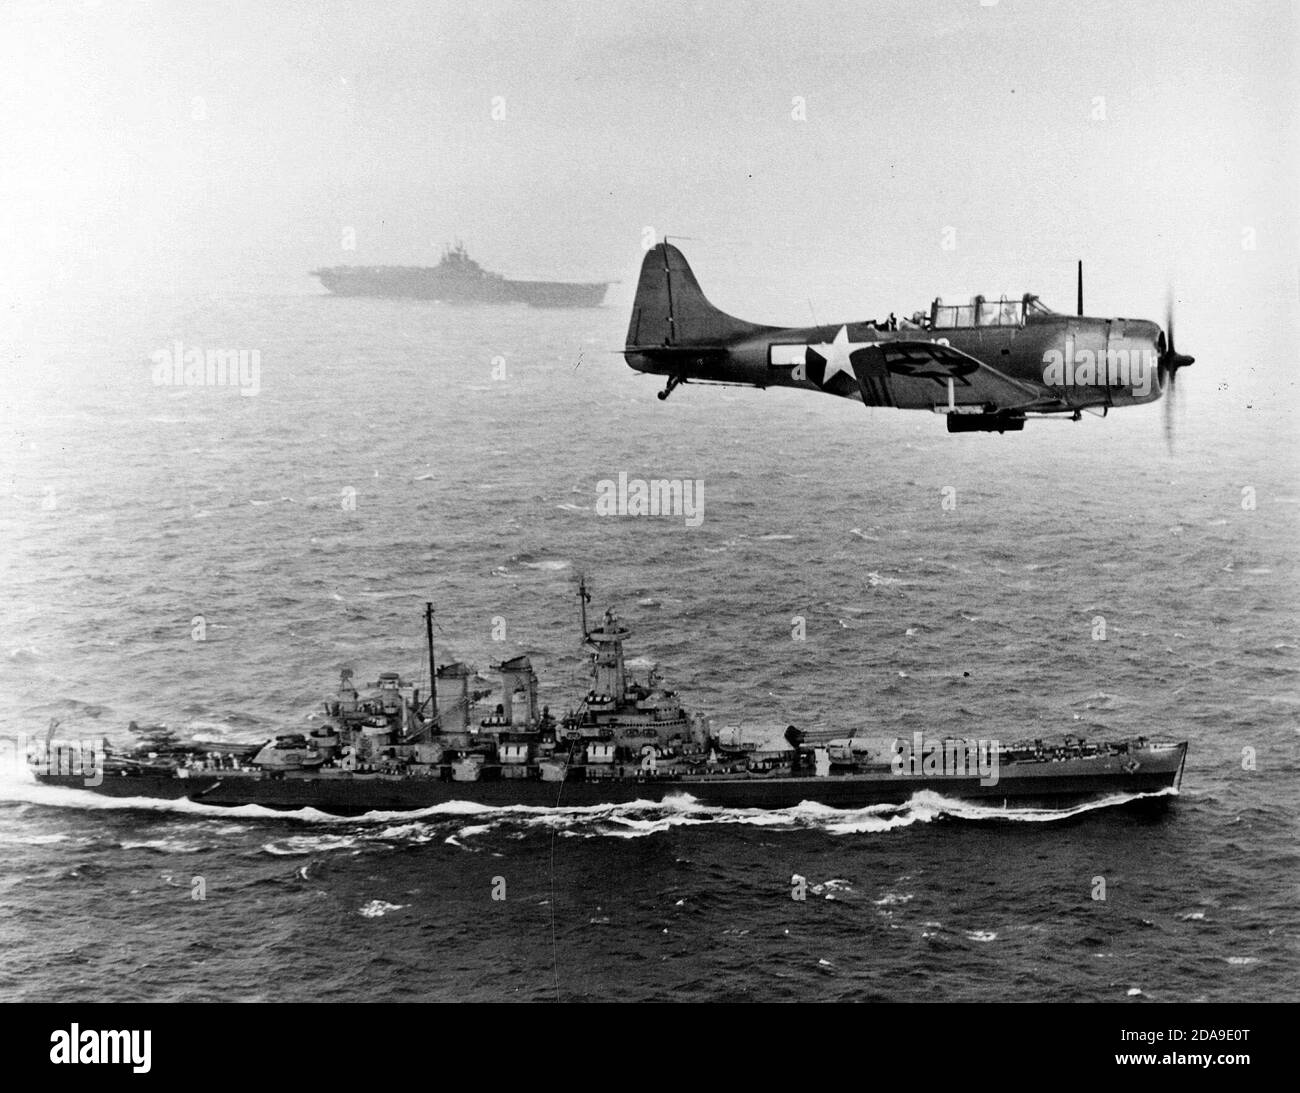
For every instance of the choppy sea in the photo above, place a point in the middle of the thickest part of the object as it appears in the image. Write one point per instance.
(401, 451)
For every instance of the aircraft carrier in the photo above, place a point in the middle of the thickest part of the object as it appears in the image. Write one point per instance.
(392, 748)
(458, 279)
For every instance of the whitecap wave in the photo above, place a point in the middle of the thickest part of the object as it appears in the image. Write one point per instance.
(162, 846)
(296, 846)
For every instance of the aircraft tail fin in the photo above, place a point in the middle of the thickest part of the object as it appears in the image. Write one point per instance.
(670, 309)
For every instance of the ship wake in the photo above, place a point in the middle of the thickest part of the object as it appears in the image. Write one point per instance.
(642, 818)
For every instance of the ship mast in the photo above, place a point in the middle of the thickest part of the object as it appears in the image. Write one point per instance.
(433, 668)
(584, 598)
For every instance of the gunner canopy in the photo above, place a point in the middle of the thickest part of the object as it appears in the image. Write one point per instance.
(982, 311)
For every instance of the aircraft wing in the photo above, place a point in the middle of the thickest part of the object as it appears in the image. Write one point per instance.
(915, 375)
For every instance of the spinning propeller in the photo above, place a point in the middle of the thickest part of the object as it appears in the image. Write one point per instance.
(1167, 365)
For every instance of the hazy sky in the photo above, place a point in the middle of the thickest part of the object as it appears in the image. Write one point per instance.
(156, 146)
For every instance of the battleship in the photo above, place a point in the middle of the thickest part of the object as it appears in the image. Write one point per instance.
(393, 748)
(457, 279)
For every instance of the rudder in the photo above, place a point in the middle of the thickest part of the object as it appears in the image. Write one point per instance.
(670, 309)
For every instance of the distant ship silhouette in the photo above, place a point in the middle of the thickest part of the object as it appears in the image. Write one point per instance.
(457, 279)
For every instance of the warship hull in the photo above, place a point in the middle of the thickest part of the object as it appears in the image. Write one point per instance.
(417, 283)
(559, 293)
(1053, 784)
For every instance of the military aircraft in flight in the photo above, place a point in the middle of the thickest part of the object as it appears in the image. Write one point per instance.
(987, 366)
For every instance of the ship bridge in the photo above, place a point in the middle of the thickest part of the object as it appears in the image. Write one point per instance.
(605, 644)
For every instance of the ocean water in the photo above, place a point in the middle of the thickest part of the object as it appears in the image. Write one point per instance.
(402, 451)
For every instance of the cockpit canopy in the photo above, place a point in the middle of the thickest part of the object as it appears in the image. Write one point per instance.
(982, 311)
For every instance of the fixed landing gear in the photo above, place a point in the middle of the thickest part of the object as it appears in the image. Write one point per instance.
(673, 381)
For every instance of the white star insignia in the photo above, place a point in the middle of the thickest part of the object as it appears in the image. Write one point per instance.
(836, 354)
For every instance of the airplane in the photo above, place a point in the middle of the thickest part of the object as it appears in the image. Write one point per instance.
(987, 366)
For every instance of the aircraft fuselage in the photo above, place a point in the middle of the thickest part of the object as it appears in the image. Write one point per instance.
(987, 365)
(1072, 362)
